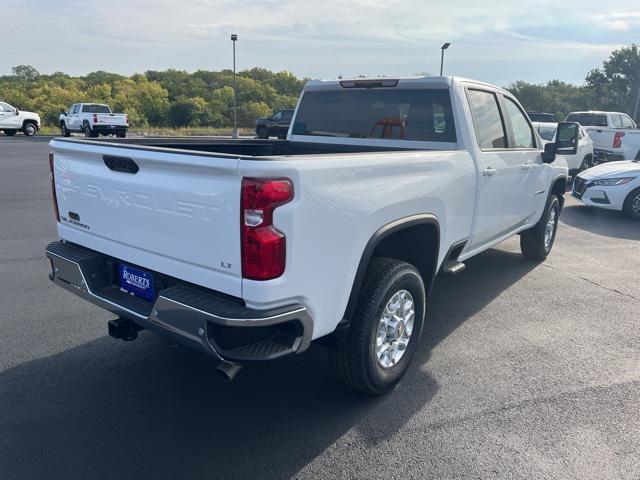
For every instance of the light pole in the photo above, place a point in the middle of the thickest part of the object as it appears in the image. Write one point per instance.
(234, 134)
(443, 48)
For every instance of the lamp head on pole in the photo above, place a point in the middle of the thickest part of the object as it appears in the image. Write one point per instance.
(234, 37)
(445, 46)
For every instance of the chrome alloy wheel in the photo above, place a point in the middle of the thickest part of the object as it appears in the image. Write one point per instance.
(635, 205)
(395, 329)
(549, 229)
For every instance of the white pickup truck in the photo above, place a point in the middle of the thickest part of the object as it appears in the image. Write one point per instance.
(93, 119)
(248, 250)
(615, 135)
(12, 120)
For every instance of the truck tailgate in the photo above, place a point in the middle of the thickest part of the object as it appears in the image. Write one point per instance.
(119, 119)
(178, 214)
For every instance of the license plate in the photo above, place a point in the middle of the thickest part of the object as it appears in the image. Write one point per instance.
(136, 281)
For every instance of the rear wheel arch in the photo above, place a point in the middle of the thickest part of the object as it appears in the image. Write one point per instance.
(414, 239)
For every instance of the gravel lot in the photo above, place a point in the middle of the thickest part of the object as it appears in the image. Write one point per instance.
(525, 371)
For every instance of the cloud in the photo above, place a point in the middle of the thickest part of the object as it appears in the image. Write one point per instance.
(500, 42)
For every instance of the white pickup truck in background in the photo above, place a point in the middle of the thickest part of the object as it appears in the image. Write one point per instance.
(93, 119)
(615, 135)
(13, 120)
(247, 250)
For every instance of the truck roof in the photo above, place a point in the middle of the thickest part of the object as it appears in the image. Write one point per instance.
(407, 82)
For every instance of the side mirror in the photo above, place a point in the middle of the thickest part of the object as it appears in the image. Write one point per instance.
(17, 112)
(549, 154)
(567, 138)
(62, 112)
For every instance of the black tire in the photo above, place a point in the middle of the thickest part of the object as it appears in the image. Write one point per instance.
(64, 131)
(10, 131)
(89, 133)
(631, 206)
(121, 134)
(29, 129)
(586, 163)
(355, 362)
(533, 242)
(262, 132)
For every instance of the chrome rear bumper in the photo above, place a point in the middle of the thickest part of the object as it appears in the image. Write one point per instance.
(205, 320)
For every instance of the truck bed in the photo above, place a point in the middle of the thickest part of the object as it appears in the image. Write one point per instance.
(245, 147)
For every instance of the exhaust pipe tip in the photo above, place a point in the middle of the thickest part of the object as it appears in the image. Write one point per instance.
(228, 371)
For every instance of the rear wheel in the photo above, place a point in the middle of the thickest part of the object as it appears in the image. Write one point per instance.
(29, 129)
(10, 131)
(385, 330)
(121, 134)
(89, 133)
(537, 242)
(586, 163)
(631, 206)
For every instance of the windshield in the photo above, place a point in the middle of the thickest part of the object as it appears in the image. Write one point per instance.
(547, 133)
(393, 114)
(96, 109)
(542, 117)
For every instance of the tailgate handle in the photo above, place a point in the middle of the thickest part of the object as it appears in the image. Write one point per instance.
(120, 164)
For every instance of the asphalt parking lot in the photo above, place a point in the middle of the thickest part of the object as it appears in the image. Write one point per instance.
(525, 371)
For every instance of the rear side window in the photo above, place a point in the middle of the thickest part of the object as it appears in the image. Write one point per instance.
(393, 114)
(616, 121)
(487, 119)
(588, 119)
(95, 109)
(627, 122)
(287, 114)
(522, 131)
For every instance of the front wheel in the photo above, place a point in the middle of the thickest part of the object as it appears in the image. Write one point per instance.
(29, 129)
(385, 329)
(262, 133)
(10, 131)
(64, 131)
(631, 206)
(537, 242)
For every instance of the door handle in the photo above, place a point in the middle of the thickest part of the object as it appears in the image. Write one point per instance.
(489, 171)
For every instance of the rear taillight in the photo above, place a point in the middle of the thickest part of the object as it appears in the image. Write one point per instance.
(95, 118)
(126, 119)
(617, 139)
(53, 187)
(263, 246)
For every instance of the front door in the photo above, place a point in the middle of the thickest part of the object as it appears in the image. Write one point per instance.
(504, 184)
(8, 117)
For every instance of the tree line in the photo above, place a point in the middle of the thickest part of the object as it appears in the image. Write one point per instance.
(171, 98)
(176, 98)
(613, 87)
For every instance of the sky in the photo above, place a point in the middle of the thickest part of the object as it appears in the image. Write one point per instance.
(495, 41)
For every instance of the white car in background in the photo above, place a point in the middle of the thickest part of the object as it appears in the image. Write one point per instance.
(578, 162)
(615, 135)
(611, 185)
(12, 120)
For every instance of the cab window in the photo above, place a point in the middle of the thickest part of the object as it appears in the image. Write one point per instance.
(5, 107)
(627, 122)
(487, 119)
(277, 116)
(522, 131)
(616, 121)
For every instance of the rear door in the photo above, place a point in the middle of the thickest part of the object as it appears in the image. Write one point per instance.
(504, 190)
(177, 214)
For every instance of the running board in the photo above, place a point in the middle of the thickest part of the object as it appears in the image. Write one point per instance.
(453, 267)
